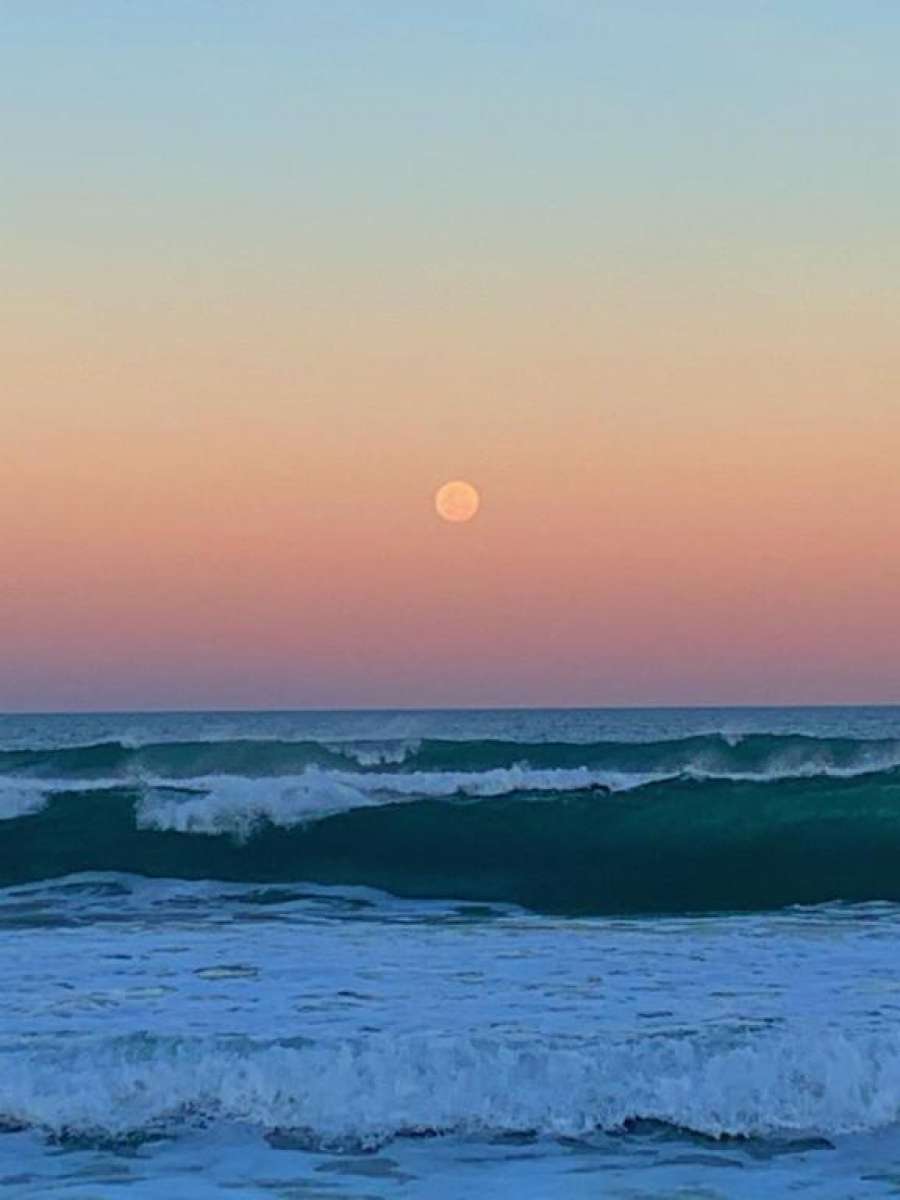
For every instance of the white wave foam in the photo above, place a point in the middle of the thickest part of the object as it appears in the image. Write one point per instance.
(20, 798)
(222, 803)
(25, 797)
(369, 1090)
(237, 804)
(228, 804)
(376, 754)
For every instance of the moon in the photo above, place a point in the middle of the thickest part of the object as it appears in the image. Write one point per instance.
(457, 501)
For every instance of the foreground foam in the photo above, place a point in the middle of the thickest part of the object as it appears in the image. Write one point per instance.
(369, 1090)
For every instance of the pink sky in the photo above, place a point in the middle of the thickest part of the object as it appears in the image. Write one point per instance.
(655, 327)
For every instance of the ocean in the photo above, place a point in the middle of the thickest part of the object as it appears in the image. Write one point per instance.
(517, 953)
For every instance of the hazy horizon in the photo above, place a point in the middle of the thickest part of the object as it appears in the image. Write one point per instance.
(312, 710)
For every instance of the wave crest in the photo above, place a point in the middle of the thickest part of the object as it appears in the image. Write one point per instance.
(678, 845)
(764, 755)
(370, 1090)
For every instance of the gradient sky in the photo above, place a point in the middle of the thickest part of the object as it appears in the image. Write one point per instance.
(274, 271)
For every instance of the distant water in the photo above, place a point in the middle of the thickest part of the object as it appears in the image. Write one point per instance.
(493, 954)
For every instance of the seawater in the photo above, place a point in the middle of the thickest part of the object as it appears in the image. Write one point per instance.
(533, 954)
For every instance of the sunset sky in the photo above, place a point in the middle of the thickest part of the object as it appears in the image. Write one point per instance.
(273, 272)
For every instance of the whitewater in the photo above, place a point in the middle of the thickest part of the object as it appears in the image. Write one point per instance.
(564, 953)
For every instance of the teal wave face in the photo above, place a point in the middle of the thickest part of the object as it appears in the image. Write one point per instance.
(668, 847)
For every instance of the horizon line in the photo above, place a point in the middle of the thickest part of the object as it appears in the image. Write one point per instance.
(459, 708)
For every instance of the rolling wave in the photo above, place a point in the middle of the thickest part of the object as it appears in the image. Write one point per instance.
(671, 845)
(361, 1093)
(719, 754)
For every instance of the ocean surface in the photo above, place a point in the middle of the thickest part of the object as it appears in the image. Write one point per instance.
(531, 954)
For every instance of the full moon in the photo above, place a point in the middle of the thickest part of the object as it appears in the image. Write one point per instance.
(457, 501)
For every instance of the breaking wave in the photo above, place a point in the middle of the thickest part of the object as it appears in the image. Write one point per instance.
(717, 754)
(363, 1092)
(567, 840)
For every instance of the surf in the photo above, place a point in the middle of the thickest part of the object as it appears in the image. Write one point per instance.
(360, 1094)
(672, 845)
